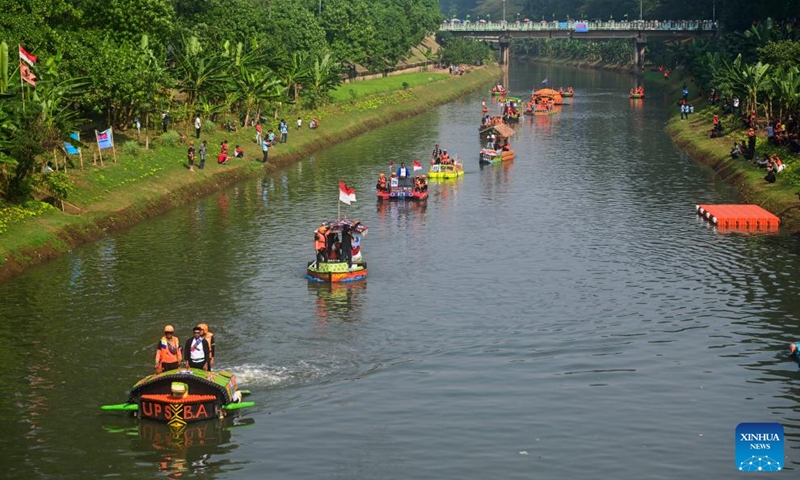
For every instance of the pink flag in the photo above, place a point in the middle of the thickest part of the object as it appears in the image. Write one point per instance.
(26, 57)
(346, 194)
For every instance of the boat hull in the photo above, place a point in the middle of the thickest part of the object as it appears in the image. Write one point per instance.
(493, 156)
(336, 272)
(637, 95)
(403, 195)
(202, 396)
(445, 172)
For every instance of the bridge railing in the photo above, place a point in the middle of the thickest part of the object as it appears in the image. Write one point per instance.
(625, 25)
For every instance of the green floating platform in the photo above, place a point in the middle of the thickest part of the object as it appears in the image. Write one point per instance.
(129, 407)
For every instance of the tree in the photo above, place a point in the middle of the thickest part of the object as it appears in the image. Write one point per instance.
(323, 76)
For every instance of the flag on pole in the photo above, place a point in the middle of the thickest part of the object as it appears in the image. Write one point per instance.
(417, 166)
(545, 81)
(26, 57)
(26, 74)
(69, 148)
(346, 194)
(105, 139)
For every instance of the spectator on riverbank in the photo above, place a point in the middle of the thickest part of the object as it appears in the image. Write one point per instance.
(203, 151)
(284, 131)
(264, 150)
(770, 176)
(190, 155)
(736, 150)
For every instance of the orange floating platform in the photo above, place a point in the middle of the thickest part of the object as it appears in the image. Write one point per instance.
(739, 218)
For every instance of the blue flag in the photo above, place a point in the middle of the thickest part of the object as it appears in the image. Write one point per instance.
(71, 150)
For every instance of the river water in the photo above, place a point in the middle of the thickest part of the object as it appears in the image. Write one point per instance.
(560, 315)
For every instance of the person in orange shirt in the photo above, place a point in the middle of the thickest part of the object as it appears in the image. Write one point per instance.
(168, 351)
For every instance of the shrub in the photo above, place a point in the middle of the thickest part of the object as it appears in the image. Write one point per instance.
(209, 126)
(58, 184)
(131, 147)
(170, 139)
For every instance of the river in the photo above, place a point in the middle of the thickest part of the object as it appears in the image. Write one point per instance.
(560, 315)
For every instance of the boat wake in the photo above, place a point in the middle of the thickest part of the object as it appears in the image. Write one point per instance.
(251, 375)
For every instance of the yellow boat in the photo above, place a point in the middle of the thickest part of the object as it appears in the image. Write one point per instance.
(445, 171)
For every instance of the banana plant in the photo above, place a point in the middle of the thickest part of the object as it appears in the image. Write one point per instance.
(3, 67)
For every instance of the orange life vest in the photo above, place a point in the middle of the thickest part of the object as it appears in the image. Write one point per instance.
(319, 240)
(165, 354)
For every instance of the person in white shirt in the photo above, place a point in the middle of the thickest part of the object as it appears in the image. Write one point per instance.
(198, 124)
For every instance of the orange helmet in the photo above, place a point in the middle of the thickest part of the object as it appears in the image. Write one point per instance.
(203, 326)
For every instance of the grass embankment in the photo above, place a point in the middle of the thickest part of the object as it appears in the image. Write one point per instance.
(780, 198)
(144, 183)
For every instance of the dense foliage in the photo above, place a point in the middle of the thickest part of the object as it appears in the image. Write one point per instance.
(759, 66)
(106, 62)
(607, 52)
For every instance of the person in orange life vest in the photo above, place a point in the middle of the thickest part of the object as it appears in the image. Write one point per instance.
(445, 157)
(168, 351)
(320, 244)
(381, 185)
(211, 344)
(196, 351)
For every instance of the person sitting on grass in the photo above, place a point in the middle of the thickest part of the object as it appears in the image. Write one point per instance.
(777, 163)
(238, 152)
(770, 176)
(736, 150)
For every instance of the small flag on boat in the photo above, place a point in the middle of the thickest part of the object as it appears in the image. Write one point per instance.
(544, 81)
(417, 165)
(346, 194)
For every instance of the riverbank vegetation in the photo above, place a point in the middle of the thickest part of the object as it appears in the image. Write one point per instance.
(159, 64)
(143, 183)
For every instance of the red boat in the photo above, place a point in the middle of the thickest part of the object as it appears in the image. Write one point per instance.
(404, 189)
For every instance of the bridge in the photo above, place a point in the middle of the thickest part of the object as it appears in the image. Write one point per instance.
(638, 31)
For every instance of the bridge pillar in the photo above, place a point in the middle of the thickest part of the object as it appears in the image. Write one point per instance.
(505, 50)
(638, 53)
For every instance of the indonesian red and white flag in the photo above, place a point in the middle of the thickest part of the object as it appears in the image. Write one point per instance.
(26, 74)
(417, 165)
(26, 57)
(346, 194)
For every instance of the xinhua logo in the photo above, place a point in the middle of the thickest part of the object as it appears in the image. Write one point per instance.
(759, 447)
